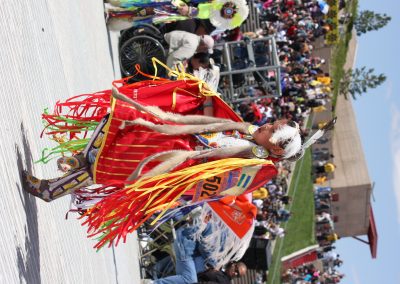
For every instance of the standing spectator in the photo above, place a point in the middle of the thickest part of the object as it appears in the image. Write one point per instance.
(183, 45)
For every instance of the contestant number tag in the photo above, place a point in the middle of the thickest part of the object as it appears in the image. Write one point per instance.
(211, 187)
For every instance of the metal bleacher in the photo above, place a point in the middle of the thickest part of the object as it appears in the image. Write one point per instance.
(247, 64)
(252, 22)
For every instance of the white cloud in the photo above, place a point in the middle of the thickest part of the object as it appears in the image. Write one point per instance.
(395, 146)
(389, 90)
(355, 276)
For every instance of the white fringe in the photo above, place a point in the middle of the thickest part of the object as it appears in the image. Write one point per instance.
(223, 243)
(210, 76)
(85, 198)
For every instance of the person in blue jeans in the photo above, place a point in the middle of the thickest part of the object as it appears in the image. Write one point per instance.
(184, 248)
(193, 258)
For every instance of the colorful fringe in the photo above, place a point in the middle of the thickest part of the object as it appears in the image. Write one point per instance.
(71, 121)
(126, 209)
(152, 3)
(77, 114)
(72, 146)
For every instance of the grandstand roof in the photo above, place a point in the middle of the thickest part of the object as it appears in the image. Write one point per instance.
(372, 234)
(352, 170)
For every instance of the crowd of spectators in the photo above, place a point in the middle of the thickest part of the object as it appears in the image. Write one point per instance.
(308, 273)
(305, 88)
(271, 201)
(328, 260)
(304, 84)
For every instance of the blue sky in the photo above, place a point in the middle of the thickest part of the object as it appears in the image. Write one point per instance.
(378, 119)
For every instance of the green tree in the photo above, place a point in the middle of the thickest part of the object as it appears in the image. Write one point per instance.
(358, 81)
(368, 21)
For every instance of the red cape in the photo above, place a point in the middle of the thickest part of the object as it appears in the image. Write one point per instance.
(124, 149)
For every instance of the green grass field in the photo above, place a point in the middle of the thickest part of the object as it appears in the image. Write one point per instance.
(300, 227)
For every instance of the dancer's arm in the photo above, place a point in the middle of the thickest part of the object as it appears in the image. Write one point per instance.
(242, 127)
(167, 116)
(208, 108)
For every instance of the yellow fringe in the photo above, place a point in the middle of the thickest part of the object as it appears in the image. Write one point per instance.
(182, 75)
(185, 179)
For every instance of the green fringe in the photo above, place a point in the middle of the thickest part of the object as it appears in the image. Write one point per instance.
(69, 146)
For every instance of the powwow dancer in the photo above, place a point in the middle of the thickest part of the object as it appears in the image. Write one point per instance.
(223, 14)
(146, 159)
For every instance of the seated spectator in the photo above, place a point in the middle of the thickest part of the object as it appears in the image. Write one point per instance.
(329, 167)
(320, 189)
(326, 80)
(323, 195)
(276, 230)
(191, 258)
(332, 237)
(326, 239)
(328, 248)
(283, 215)
(321, 154)
(232, 270)
(259, 203)
(260, 231)
(260, 193)
(324, 217)
(337, 262)
(321, 180)
(274, 189)
(319, 163)
(330, 256)
(321, 205)
(200, 59)
(285, 199)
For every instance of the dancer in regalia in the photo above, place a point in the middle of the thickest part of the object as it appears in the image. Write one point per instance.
(223, 14)
(154, 152)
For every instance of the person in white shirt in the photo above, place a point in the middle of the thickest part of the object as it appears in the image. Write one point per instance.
(324, 217)
(183, 45)
(330, 256)
(276, 230)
